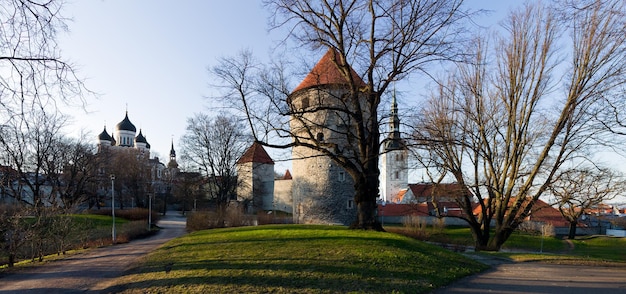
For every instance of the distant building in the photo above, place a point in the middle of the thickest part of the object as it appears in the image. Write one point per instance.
(394, 172)
(255, 168)
(153, 174)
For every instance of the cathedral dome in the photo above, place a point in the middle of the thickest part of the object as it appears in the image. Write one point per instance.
(104, 136)
(126, 125)
(140, 138)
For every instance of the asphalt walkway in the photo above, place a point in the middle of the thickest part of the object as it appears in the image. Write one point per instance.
(535, 277)
(90, 271)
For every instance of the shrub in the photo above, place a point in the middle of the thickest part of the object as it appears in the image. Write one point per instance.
(416, 227)
(202, 220)
(274, 217)
(439, 225)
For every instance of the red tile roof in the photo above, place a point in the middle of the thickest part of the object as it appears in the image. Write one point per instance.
(257, 154)
(287, 175)
(326, 72)
(541, 212)
(452, 190)
(403, 209)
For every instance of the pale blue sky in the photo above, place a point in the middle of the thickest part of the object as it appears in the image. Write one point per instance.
(150, 57)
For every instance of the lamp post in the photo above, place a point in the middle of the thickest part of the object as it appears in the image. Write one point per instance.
(113, 206)
(149, 211)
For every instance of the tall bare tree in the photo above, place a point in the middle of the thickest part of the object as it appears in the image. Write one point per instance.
(28, 146)
(214, 145)
(381, 40)
(72, 171)
(34, 75)
(578, 189)
(34, 81)
(506, 127)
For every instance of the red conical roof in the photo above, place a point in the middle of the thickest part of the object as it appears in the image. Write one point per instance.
(256, 153)
(326, 72)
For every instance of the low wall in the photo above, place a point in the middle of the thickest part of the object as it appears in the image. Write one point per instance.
(616, 233)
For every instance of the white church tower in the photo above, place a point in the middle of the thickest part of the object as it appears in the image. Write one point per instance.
(394, 174)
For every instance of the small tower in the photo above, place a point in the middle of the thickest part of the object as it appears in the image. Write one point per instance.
(172, 163)
(255, 171)
(394, 159)
(142, 144)
(323, 192)
(104, 140)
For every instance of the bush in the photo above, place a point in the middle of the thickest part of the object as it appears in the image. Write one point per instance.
(274, 217)
(202, 220)
(416, 227)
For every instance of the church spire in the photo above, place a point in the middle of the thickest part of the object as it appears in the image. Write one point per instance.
(172, 163)
(172, 152)
(394, 141)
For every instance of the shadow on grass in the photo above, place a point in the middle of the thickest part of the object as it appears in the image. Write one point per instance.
(292, 276)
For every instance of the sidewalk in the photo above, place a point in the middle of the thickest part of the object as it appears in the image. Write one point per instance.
(91, 270)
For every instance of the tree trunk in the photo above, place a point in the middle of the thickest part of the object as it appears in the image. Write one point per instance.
(365, 198)
(11, 261)
(572, 230)
(485, 243)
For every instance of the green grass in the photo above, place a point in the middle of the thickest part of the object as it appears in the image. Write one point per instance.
(524, 247)
(95, 220)
(296, 259)
(601, 247)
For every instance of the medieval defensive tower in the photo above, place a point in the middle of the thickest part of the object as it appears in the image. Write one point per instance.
(323, 192)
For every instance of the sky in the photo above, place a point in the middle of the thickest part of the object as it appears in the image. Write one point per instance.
(150, 58)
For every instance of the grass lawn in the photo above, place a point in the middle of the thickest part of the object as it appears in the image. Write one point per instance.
(295, 259)
(524, 247)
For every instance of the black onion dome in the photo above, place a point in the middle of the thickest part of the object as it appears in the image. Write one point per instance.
(140, 138)
(126, 125)
(104, 136)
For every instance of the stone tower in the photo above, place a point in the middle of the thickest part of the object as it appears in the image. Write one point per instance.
(394, 174)
(255, 171)
(323, 192)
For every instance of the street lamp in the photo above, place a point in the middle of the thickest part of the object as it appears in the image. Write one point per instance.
(113, 206)
(149, 211)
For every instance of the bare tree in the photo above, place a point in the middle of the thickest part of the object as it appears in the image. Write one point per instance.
(381, 40)
(28, 146)
(506, 129)
(214, 145)
(132, 173)
(578, 189)
(72, 171)
(34, 76)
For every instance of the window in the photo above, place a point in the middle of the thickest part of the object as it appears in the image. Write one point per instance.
(342, 176)
(350, 204)
(320, 137)
(305, 103)
(397, 175)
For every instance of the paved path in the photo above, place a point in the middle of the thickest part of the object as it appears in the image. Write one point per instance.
(534, 277)
(90, 271)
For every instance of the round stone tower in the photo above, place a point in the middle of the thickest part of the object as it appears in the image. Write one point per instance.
(323, 192)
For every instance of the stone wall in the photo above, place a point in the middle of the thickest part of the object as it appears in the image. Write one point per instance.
(283, 196)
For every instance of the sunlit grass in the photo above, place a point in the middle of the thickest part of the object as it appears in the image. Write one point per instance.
(295, 259)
